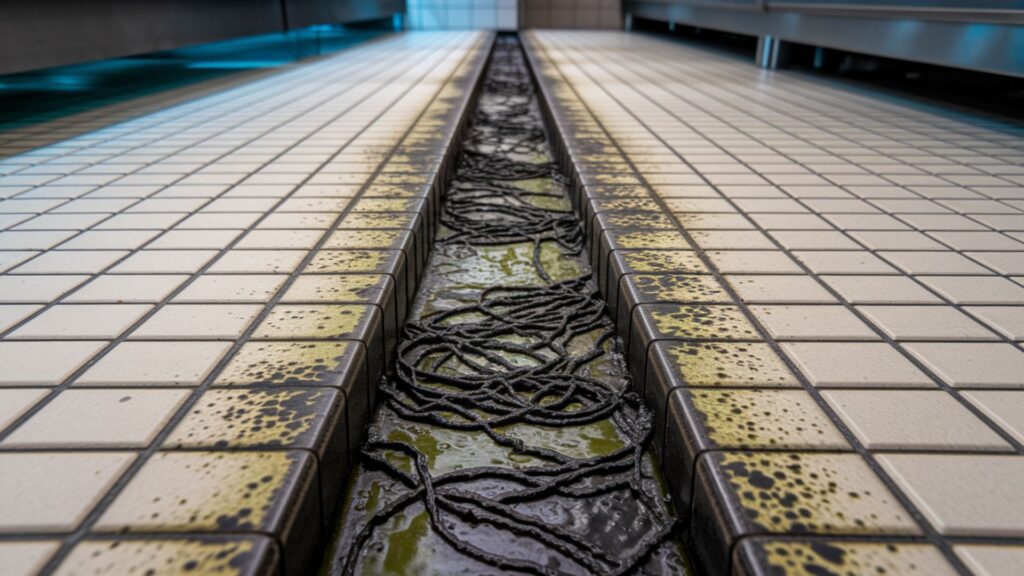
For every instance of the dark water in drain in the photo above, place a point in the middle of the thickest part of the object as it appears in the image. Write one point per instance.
(505, 441)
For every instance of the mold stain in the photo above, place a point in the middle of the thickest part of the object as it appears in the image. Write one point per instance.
(804, 558)
(808, 493)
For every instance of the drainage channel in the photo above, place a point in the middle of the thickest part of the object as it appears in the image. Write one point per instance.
(506, 440)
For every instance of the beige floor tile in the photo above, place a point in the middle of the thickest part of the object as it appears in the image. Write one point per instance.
(123, 418)
(53, 491)
(992, 560)
(155, 364)
(880, 290)
(963, 495)
(853, 364)
(1008, 321)
(198, 321)
(1005, 408)
(37, 289)
(11, 314)
(976, 289)
(91, 321)
(237, 556)
(761, 289)
(812, 323)
(25, 557)
(71, 262)
(972, 364)
(232, 288)
(15, 401)
(128, 288)
(912, 420)
(165, 262)
(266, 261)
(43, 363)
(753, 262)
(926, 323)
(843, 262)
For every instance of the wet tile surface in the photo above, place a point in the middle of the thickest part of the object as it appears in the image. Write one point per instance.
(873, 293)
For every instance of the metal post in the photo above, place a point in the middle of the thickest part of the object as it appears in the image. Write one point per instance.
(772, 53)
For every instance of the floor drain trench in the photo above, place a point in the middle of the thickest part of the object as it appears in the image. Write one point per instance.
(506, 440)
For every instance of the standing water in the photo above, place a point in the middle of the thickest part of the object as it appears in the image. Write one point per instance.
(506, 440)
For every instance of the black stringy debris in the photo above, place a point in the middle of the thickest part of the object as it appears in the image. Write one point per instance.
(509, 360)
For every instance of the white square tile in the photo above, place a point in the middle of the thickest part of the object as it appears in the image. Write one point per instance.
(926, 323)
(912, 420)
(812, 323)
(165, 261)
(25, 557)
(15, 401)
(880, 290)
(155, 364)
(198, 321)
(119, 418)
(88, 321)
(43, 363)
(53, 491)
(854, 364)
(71, 262)
(963, 495)
(128, 288)
(232, 288)
(37, 289)
(11, 314)
(1004, 407)
(267, 261)
(972, 364)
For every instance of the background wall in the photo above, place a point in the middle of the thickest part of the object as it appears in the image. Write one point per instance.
(456, 14)
(571, 14)
(41, 33)
(513, 14)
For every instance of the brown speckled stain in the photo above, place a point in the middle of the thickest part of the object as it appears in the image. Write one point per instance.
(809, 493)
(829, 557)
(764, 419)
(164, 557)
(701, 321)
(730, 364)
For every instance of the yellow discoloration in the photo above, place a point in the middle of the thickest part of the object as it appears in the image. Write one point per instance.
(406, 178)
(665, 240)
(702, 322)
(335, 288)
(341, 261)
(296, 321)
(615, 179)
(378, 220)
(364, 239)
(202, 492)
(812, 493)
(648, 220)
(663, 261)
(803, 558)
(392, 191)
(728, 364)
(383, 205)
(678, 288)
(162, 557)
(249, 418)
(764, 419)
(285, 363)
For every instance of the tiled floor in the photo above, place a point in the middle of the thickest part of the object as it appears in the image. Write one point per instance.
(140, 428)
(829, 325)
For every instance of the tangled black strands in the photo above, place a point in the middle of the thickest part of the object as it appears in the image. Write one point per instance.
(511, 359)
(505, 144)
